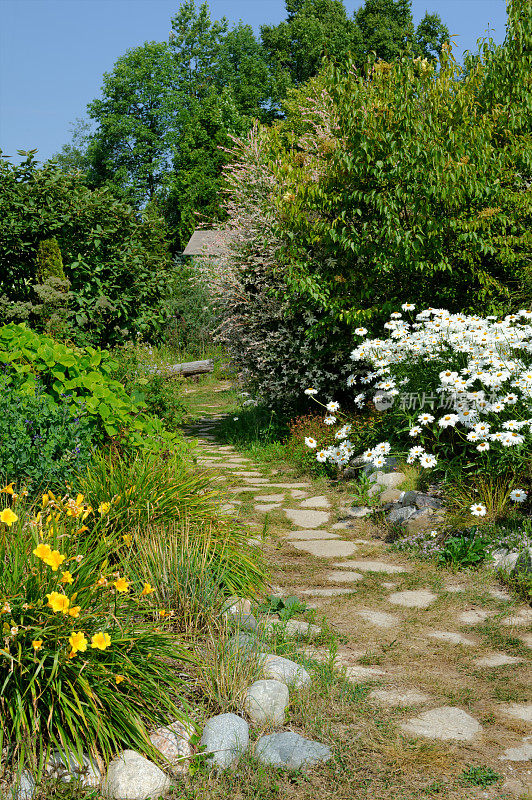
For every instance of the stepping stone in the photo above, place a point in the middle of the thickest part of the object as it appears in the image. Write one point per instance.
(523, 753)
(451, 637)
(497, 660)
(447, 723)
(256, 480)
(316, 502)
(522, 617)
(247, 474)
(227, 508)
(418, 598)
(311, 534)
(341, 526)
(360, 673)
(499, 594)
(297, 494)
(379, 618)
(290, 485)
(522, 711)
(319, 592)
(454, 588)
(306, 519)
(344, 576)
(326, 548)
(296, 627)
(398, 697)
(388, 585)
(473, 617)
(265, 507)
(371, 566)
(269, 498)
(291, 751)
(527, 639)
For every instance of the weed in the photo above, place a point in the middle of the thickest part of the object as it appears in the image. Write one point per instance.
(480, 776)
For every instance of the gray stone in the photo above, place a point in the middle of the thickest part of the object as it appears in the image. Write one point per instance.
(306, 519)
(390, 496)
(333, 592)
(421, 520)
(356, 512)
(474, 616)
(66, 768)
(415, 598)
(266, 702)
(316, 502)
(375, 490)
(420, 500)
(173, 741)
(379, 618)
(311, 534)
(504, 560)
(24, 789)
(283, 669)
(447, 723)
(521, 617)
(264, 508)
(356, 672)
(390, 480)
(291, 751)
(133, 777)
(400, 514)
(296, 627)
(269, 498)
(225, 737)
(327, 548)
(245, 641)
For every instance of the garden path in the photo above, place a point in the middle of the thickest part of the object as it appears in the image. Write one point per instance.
(446, 657)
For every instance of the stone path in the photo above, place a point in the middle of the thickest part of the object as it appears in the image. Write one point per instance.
(451, 656)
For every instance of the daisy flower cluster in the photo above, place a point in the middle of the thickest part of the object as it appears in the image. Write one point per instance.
(483, 387)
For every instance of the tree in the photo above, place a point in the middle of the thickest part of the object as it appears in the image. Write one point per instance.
(313, 29)
(135, 117)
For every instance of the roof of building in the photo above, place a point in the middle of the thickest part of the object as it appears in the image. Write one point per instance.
(205, 243)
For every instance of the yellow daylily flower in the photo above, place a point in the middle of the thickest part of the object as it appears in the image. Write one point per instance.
(119, 679)
(58, 602)
(121, 585)
(54, 560)
(43, 551)
(81, 530)
(37, 644)
(103, 508)
(78, 642)
(8, 517)
(148, 589)
(45, 500)
(7, 489)
(128, 538)
(66, 577)
(74, 611)
(100, 641)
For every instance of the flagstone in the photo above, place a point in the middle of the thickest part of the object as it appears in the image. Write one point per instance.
(398, 697)
(417, 598)
(452, 638)
(522, 617)
(298, 494)
(371, 566)
(306, 519)
(265, 507)
(321, 592)
(522, 753)
(379, 618)
(326, 548)
(310, 534)
(522, 711)
(473, 616)
(359, 673)
(270, 498)
(446, 723)
(345, 576)
(497, 660)
(315, 502)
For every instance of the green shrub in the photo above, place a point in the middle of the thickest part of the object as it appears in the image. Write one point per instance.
(48, 261)
(85, 668)
(77, 376)
(116, 260)
(41, 440)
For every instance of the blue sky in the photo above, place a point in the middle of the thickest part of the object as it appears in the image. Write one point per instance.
(53, 52)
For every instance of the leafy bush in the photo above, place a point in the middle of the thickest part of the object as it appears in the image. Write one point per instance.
(361, 197)
(42, 441)
(464, 551)
(141, 367)
(73, 376)
(83, 661)
(115, 260)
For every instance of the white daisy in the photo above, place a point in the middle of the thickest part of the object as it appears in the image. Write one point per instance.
(424, 419)
(428, 461)
(478, 510)
(415, 431)
(332, 406)
(310, 442)
(310, 391)
(329, 420)
(518, 495)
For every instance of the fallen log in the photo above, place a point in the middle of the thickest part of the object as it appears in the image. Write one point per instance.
(188, 368)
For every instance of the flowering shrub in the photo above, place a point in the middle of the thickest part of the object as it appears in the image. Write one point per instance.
(82, 658)
(458, 385)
